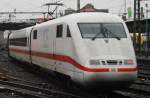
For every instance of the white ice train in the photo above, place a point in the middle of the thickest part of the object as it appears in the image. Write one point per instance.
(93, 49)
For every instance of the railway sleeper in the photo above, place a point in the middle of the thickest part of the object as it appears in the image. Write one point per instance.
(24, 92)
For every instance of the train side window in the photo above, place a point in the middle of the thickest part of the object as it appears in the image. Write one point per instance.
(18, 41)
(35, 34)
(59, 30)
(68, 32)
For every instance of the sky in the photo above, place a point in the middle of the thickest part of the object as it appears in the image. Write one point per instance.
(114, 6)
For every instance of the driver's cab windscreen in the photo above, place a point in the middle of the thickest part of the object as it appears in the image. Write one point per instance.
(102, 30)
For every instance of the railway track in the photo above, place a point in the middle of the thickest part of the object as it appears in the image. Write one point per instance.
(37, 90)
(141, 87)
(26, 88)
(136, 91)
(72, 92)
(31, 89)
(144, 69)
(34, 91)
(16, 84)
(15, 80)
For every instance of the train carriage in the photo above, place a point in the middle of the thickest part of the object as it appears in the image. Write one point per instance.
(91, 48)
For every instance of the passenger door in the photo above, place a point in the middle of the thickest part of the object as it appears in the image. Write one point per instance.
(42, 47)
(63, 50)
(59, 47)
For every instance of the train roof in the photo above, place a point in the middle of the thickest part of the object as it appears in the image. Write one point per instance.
(88, 17)
(94, 16)
(85, 17)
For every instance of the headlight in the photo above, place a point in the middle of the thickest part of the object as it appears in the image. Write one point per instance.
(94, 62)
(128, 62)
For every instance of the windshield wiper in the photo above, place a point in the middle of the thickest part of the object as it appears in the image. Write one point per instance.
(107, 30)
(98, 35)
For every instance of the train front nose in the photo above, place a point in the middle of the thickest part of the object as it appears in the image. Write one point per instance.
(113, 78)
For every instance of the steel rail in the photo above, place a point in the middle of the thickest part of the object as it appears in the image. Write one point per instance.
(33, 89)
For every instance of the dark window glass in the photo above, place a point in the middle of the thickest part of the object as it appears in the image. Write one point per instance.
(59, 31)
(102, 30)
(18, 41)
(68, 32)
(35, 34)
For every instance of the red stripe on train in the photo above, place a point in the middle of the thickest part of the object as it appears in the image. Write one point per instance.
(69, 60)
(127, 69)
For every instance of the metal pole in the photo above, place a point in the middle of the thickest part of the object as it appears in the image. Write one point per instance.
(134, 29)
(56, 11)
(44, 16)
(78, 6)
(139, 10)
(134, 10)
(147, 32)
(148, 40)
(125, 7)
(48, 11)
(139, 27)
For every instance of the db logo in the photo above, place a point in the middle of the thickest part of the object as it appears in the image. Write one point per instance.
(113, 70)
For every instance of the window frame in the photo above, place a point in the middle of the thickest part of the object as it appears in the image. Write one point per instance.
(59, 31)
(18, 41)
(35, 34)
(68, 32)
(101, 24)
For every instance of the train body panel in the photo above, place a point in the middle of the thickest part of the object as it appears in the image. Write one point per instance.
(20, 43)
(90, 48)
(41, 46)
